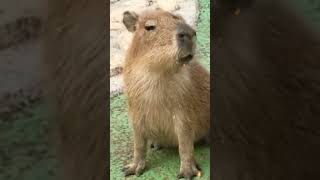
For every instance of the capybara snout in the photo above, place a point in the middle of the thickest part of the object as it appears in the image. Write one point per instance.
(186, 42)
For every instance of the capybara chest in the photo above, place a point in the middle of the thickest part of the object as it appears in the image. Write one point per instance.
(155, 100)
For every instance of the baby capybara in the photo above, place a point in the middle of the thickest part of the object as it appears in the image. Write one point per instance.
(167, 88)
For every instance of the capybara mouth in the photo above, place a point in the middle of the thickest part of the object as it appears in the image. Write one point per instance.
(186, 59)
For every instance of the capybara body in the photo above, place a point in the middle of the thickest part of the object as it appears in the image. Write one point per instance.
(76, 61)
(167, 89)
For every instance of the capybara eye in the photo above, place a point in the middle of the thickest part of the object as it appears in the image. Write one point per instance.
(150, 28)
(150, 25)
(175, 17)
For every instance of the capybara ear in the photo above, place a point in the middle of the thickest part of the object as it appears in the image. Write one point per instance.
(130, 20)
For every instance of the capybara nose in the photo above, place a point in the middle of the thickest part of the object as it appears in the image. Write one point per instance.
(185, 33)
(186, 44)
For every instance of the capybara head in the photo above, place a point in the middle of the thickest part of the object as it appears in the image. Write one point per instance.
(160, 38)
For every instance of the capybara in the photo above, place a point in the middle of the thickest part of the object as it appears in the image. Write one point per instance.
(167, 88)
(76, 62)
(266, 77)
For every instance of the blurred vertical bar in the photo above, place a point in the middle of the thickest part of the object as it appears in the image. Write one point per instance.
(266, 90)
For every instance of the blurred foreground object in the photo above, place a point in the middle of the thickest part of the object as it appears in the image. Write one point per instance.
(266, 90)
(76, 60)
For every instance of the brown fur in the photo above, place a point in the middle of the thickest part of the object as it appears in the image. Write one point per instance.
(168, 103)
(76, 61)
(266, 90)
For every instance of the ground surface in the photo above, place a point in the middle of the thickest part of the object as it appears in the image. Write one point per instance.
(163, 164)
(24, 147)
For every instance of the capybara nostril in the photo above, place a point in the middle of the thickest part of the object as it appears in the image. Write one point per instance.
(185, 32)
(183, 36)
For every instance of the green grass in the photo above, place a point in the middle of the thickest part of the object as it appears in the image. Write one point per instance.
(24, 147)
(203, 33)
(161, 164)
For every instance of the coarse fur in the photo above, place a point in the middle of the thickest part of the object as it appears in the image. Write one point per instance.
(168, 101)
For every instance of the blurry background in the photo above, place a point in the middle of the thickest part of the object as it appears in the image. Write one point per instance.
(24, 143)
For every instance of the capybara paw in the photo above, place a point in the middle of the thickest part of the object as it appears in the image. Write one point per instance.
(134, 169)
(189, 171)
